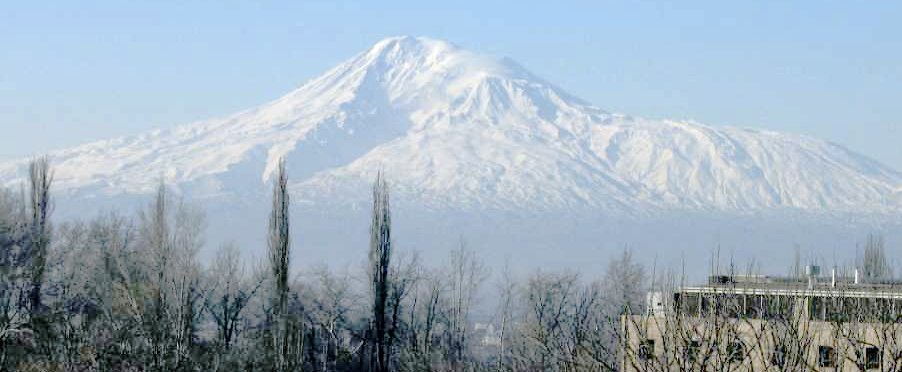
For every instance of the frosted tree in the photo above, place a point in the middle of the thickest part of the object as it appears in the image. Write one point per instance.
(98, 271)
(24, 242)
(13, 239)
(379, 269)
(229, 294)
(548, 300)
(874, 264)
(434, 308)
(623, 291)
(467, 274)
(154, 230)
(332, 301)
(170, 238)
(507, 289)
(624, 283)
(279, 252)
(40, 178)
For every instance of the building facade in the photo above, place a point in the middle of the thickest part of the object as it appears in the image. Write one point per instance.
(761, 323)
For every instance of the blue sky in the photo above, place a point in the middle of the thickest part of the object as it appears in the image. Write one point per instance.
(71, 72)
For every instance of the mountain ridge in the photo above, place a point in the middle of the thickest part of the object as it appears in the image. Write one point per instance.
(457, 129)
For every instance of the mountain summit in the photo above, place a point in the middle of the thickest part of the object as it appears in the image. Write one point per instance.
(459, 130)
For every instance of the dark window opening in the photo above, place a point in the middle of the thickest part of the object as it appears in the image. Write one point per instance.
(647, 350)
(736, 351)
(816, 309)
(692, 350)
(871, 358)
(778, 358)
(826, 356)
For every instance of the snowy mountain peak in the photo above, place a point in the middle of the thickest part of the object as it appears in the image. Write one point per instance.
(406, 54)
(415, 71)
(390, 48)
(458, 129)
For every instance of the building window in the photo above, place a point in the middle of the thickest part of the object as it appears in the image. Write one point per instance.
(816, 309)
(688, 303)
(778, 358)
(646, 350)
(826, 356)
(777, 308)
(736, 351)
(835, 309)
(692, 350)
(871, 358)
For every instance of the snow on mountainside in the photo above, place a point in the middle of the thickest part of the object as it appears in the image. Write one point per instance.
(455, 129)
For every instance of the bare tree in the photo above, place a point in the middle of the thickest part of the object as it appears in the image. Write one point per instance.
(155, 234)
(548, 299)
(433, 310)
(171, 237)
(13, 273)
(874, 264)
(187, 241)
(467, 274)
(119, 268)
(379, 273)
(569, 324)
(426, 310)
(333, 299)
(507, 288)
(40, 178)
(229, 295)
(624, 284)
(279, 249)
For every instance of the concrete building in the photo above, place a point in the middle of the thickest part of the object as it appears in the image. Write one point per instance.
(760, 323)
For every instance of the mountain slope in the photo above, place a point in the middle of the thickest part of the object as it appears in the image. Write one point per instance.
(459, 130)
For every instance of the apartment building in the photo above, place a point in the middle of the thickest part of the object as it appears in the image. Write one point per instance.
(812, 322)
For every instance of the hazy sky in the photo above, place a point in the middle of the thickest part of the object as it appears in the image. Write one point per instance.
(77, 71)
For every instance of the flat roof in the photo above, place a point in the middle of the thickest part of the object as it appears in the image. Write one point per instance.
(819, 290)
(814, 286)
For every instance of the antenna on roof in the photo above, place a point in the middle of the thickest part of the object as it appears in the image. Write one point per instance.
(833, 277)
(812, 271)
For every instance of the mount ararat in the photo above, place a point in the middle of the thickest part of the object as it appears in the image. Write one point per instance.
(465, 137)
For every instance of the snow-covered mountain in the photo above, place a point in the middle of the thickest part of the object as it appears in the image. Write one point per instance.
(456, 129)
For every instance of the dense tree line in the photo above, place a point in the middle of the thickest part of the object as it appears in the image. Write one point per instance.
(127, 293)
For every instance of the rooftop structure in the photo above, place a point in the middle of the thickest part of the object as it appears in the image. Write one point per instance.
(809, 285)
(757, 322)
(814, 296)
